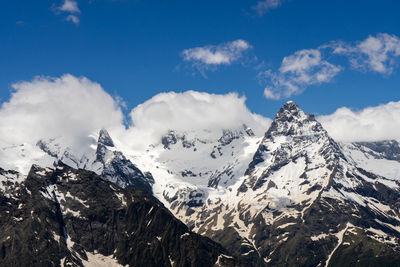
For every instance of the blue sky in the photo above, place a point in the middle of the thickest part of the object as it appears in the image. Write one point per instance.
(134, 48)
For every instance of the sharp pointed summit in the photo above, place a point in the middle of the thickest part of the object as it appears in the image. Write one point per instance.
(289, 109)
(291, 120)
(115, 167)
(105, 139)
(293, 138)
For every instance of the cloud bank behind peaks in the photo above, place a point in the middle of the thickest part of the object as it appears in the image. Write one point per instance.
(67, 107)
(73, 108)
(193, 110)
(370, 124)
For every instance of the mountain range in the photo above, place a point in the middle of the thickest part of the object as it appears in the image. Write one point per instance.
(293, 197)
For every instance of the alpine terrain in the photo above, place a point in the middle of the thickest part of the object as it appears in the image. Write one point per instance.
(70, 217)
(293, 197)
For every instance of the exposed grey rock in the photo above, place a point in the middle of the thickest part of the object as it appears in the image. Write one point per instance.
(105, 139)
(387, 149)
(56, 217)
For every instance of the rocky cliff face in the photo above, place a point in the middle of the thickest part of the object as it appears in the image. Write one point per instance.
(106, 160)
(115, 167)
(69, 217)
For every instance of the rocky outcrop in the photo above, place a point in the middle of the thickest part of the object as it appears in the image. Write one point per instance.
(69, 217)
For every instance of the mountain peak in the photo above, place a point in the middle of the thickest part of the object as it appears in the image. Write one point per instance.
(288, 110)
(290, 120)
(105, 138)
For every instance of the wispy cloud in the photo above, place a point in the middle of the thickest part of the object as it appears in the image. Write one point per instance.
(74, 19)
(310, 67)
(375, 53)
(70, 7)
(297, 71)
(215, 55)
(264, 6)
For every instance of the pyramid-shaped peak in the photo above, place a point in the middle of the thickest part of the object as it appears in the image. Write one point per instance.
(105, 139)
(291, 111)
(291, 120)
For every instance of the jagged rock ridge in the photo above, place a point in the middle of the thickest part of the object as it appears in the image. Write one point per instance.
(69, 217)
(106, 161)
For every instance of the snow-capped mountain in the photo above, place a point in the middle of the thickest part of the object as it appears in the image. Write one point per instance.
(294, 186)
(192, 169)
(382, 157)
(70, 217)
(103, 158)
(292, 197)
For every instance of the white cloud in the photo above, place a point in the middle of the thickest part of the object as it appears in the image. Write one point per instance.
(214, 55)
(74, 19)
(193, 110)
(375, 53)
(264, 6)
(67, 107)
(309, 67)
(70, 109)
(370, 124)
(297, 71)
(70, 7)
(73, 108)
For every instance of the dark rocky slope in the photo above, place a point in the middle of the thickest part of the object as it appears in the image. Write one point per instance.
(69, 217)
